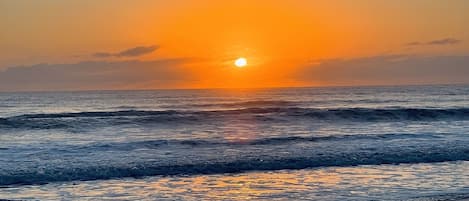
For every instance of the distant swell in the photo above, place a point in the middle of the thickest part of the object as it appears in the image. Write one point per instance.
(154, 168)
(67, 120)
(246, 104)
(154, 144)
(341, 113)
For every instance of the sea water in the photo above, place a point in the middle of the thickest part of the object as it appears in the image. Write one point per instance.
(332, 143)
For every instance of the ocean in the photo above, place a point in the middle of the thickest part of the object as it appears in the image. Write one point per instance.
(324, 143)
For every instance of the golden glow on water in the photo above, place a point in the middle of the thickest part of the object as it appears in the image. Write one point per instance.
(246, 186)
(334, 183)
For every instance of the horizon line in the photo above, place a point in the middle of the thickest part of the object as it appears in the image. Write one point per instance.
(234, 88)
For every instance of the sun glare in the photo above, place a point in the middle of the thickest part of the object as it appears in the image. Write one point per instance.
(241, 62)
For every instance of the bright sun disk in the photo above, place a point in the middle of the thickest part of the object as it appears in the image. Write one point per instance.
(241, 62)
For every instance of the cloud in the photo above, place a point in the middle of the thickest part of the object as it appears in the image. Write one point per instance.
(92, 75)
(102, 54)
(132, 52)
(414, 43)
(388, 69)
(137, 51)
(444, 41)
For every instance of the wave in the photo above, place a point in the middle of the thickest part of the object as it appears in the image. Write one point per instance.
(155, 144)
(246, 104)
(443, 197)
(340, 113)
(97, 118)
(109, 170)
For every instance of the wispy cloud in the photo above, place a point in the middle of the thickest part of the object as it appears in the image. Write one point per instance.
(414, 43)
(102, 54)
(444, 41)
(132, 52)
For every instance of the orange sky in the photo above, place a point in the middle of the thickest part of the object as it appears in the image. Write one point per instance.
(278, 38)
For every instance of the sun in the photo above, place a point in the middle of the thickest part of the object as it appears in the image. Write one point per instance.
(241, 62)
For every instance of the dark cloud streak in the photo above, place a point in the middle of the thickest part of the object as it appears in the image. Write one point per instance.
(444, 41)
(103, 54)
(131, 52)
(413, 44)
(137, 51)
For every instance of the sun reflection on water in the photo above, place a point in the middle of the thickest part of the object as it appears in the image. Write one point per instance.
(334, 183)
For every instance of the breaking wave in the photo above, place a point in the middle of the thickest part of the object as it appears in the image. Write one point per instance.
(92, 171)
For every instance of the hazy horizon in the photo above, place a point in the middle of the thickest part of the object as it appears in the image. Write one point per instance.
(245, 88)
